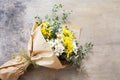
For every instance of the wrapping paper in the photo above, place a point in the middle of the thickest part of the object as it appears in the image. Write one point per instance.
(40, 53)
(12, 69)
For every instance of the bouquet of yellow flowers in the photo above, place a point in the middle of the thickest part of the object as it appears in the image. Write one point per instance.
(62, 41)
(52, 44)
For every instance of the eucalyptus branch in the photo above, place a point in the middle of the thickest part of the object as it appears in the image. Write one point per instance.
(76, 60)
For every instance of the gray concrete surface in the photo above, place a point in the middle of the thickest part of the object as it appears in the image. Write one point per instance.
(100, 23)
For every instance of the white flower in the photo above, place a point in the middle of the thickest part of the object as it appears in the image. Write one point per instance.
(59, 48)
(51, 43)
(75, 47)
(60, 35)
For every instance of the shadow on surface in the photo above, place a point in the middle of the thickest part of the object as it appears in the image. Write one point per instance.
(42, 73)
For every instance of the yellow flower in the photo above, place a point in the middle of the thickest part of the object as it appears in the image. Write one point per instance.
(68, 33)
(45, 30)
(67, 42)
(45, 24)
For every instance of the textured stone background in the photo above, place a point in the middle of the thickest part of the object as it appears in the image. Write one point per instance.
(100, 22)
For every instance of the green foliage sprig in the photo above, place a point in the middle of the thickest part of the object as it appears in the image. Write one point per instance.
(76, 60)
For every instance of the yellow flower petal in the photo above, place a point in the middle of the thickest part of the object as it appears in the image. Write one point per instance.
(45, 31)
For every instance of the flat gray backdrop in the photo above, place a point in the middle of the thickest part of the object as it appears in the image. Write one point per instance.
(100, 23)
